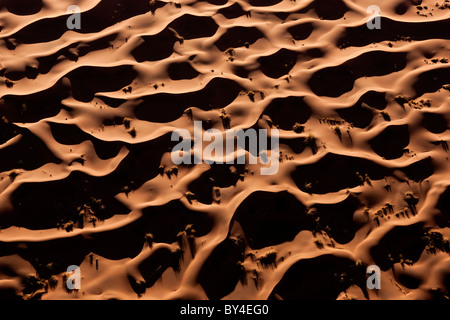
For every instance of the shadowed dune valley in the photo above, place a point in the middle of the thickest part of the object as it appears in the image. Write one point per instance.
(244, 150)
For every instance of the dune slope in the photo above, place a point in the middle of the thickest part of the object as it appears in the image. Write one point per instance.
(86, 176)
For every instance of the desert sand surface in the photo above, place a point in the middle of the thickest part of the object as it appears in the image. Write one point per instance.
(87, 179)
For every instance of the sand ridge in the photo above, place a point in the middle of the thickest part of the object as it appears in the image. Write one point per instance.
(87, 179)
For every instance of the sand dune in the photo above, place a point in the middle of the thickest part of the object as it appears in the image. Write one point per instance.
(87, 177)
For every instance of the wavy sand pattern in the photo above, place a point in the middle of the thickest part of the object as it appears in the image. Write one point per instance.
(87, 179)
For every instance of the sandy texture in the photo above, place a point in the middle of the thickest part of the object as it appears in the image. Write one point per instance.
(87, 178)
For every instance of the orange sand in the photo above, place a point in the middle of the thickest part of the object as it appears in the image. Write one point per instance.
(85, 149)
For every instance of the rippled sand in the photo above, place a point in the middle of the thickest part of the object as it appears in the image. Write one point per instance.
(87, 178)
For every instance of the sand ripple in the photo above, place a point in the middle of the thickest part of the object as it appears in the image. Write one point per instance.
(86, 176)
